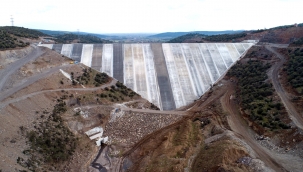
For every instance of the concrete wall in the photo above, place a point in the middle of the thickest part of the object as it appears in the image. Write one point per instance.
(168, 75)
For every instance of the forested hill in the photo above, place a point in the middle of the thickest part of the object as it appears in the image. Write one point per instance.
(190, 36)
(22, 32)
(286, 34)
(195, 37)
(73, 38)
(172, 35)
(11, 36)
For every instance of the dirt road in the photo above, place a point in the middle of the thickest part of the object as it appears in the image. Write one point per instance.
(12, 91)
(274, 76)
(242, 130)
(274, 160)
(13, 67)
(29, 81)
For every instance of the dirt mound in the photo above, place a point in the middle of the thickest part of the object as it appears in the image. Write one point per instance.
(222, 155)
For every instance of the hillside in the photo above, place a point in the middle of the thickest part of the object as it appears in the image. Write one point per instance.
(57, 33)
(56, 111)
(198, 38)
(7, 41)
(191, 36)
(281, 34)
(54, 33)
(73, 38)
(13, 37)
(171, 35)
(22, 32)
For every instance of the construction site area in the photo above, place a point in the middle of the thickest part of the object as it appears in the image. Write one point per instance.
(153, 107)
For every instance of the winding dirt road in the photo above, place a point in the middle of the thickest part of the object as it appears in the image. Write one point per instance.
(276, 161)
(242, 130)
(274, 76)
(5, 103)
(113, 82)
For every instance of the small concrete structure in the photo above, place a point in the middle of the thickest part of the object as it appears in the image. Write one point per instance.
(94, 131)
(96, 134)
(101, 140)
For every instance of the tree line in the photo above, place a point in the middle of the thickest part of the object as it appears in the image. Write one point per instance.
(22, 32)
(210, 38)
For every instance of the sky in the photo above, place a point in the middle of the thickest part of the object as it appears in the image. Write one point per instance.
(150, 16)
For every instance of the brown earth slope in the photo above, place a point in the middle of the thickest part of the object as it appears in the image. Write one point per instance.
(31, 92)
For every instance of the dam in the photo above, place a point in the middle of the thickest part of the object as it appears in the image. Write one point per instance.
(169, 75)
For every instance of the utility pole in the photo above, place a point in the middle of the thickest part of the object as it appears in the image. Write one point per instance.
(12, 20)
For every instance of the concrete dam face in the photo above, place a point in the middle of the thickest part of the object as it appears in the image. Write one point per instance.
(168, 75)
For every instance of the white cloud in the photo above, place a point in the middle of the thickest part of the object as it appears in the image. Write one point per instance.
(113, 16)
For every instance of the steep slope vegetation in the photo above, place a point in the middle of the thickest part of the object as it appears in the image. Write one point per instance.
(7, 41)
(11, 36)
(292, 76)
(256, 94)
(22, 32)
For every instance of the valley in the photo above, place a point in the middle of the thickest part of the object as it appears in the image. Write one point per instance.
(164, 107)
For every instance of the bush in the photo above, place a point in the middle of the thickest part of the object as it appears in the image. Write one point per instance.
(52, 139)
(102, 78)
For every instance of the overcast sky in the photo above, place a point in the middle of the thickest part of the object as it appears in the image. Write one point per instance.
(150, 16)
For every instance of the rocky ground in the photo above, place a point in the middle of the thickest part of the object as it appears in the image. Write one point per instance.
(130, 127)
